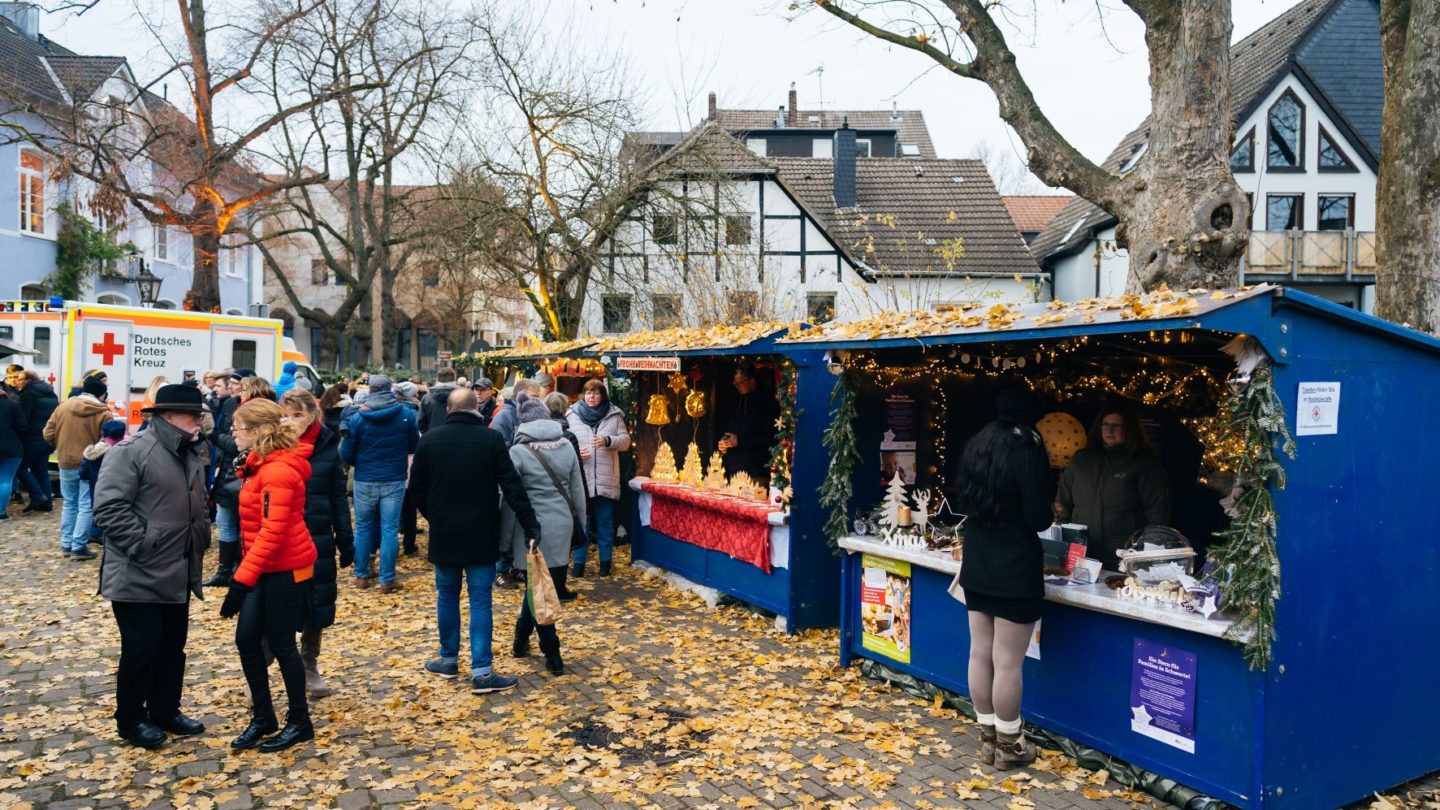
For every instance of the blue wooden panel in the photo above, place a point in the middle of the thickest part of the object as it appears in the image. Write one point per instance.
(715, 569)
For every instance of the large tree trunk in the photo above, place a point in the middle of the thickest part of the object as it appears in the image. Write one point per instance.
(204, 295)
(1183, 217)
(1407, 205)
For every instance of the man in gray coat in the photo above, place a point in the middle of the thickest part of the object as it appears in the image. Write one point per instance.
(150, 503)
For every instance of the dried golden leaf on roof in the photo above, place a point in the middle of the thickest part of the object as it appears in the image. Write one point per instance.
(1042, 320)
(719, 336)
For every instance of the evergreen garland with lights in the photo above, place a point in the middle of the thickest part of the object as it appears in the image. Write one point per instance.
(1253, 418)
(784, 448)
(838, 487)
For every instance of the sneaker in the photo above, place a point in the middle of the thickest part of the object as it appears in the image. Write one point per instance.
(82, 553)
(494, 682)
(507, 579)
(443, 668)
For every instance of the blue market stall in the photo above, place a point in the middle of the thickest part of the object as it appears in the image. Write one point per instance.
(1342, 701)
(752, 542)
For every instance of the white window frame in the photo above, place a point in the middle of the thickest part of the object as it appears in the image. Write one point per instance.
(823, 148)
(27, 216)
(160, 243)
(867, 152)
(115, 299)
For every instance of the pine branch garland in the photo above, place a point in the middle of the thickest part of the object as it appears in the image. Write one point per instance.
(1248, 561)
(782, 451)
(838, 487)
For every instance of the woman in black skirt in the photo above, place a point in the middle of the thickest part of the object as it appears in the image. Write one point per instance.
(1006, 489)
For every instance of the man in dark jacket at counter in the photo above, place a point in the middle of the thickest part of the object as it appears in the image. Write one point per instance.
(37, 402)
(150, 500)
(458, 468)
(751, 428)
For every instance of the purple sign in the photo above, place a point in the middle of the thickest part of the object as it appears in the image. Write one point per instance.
(1162, 694)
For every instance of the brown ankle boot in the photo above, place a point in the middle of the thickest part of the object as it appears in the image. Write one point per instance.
(987, 744)
(1012, 751)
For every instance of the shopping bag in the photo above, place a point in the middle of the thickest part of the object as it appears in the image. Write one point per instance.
(540, 589)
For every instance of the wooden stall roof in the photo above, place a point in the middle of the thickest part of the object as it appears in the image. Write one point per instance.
(689, 339)
(539, 350)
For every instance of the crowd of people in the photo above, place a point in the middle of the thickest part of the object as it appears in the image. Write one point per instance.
(278, 470)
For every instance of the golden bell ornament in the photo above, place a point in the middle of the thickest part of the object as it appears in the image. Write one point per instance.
(696, 405)
(658, 412)
(1063, 435)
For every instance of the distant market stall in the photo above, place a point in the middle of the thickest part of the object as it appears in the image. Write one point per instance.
(1288, 662)
(727, 431)
(562, 359)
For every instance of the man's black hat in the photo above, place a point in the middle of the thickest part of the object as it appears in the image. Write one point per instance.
(177, 397)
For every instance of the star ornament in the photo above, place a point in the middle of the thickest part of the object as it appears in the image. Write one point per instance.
(677, 382)
(1140, 715)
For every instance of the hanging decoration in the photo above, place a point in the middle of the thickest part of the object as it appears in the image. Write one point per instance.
(838, 488)
(1247, 562)
(664, 467)
(677, 383)
(696, 404)
(783, 449)
(1063, 435)
(658, 410)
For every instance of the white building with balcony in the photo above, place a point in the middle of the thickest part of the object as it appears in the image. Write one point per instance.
(1306, 90)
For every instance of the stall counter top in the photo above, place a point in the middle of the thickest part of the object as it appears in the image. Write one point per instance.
(1098, 597)
(776, 518)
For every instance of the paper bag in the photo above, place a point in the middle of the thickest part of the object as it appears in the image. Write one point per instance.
(540, 589)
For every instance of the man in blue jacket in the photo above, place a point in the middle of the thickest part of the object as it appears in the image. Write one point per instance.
(382, 437)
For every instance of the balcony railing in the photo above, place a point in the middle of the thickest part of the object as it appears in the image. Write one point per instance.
(1311, 255)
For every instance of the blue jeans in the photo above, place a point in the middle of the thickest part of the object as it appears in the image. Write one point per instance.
(35, 471)
(602, 523)
(74, 511)
(378, 502)
(479, 579)
(227, 524)
(8, 468)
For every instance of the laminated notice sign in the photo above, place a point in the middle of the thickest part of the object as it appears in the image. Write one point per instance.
(885, 607)
(1317, 409)
(1162, 694)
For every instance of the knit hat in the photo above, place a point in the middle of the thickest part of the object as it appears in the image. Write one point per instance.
(382, 392)
(290, 367)
(114, 429)
(379, 383)
(1018, 405)
(94, 385)
(406, 389)
(530, 409)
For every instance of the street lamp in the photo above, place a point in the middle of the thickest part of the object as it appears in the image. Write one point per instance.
(147, 284)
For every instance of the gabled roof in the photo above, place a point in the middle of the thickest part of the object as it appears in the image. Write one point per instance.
(908, 124)
(83, 75)
(24, 76)
(1032, 212)
(1333, 45)
(933, 201)
(709, 149)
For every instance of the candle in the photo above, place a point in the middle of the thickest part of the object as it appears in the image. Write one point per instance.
(903, 516)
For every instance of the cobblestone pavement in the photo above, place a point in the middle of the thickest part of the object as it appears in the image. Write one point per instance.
(665, 703)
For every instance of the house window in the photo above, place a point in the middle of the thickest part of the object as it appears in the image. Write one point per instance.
(1242, 157)
(665, 228)
(32, 192)
(615, 313)
(243, 353)
(1284, 212)
(42, 345)
(744, 306)
(1135, 157)
(909, 150)
(819, 307)
(757, 145)
(117, 299)
(162, 243)
(1332, 157)
(1287, 134)
(402, 347)
(737, 229)
(317, 340)
(1336, 212)
(822, 148)
(33, 292)
(862, 147)
(664, 311)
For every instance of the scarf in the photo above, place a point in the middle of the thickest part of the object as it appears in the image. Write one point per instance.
(592, 416)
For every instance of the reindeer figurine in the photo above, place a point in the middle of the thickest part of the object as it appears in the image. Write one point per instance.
(921, 515)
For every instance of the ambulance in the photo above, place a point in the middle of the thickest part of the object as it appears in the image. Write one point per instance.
(133, 346)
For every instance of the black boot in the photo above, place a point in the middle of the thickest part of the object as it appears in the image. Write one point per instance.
(577, 570)
(521, 647)
(293, 734)
(553, 663)
(604, 568)
(259, 727)
(229, 556)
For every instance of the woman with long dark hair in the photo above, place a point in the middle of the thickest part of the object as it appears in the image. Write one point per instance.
(1115, 485)
(1005, 489)
(270, 587)
(332, 404)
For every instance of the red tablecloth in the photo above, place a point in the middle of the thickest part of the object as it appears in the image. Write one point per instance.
(712, 520)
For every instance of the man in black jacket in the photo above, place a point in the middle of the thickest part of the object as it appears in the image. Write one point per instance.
(37, 402)
(461, 469)
(433, 406)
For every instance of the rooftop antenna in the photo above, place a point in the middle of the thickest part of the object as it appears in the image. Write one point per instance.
(820, 79)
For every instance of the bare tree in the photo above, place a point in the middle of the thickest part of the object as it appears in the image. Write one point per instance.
(206, 169)
(1007, 170)
(1179, 209)
(1407, 215)
(410, 60)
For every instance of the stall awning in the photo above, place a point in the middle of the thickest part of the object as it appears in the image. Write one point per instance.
(540, 351)
(746, 338)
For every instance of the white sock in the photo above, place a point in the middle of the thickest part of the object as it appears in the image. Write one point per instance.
(1010, 727)
(985, 719)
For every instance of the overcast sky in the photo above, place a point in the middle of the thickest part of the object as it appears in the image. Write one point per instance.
(1088, 77)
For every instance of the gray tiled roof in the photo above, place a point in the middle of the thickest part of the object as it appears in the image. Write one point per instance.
(23, 76)
(1342, 57)
(83, 75)
(908, 124)
(1256, 64)
(922, 204)
(709, 149)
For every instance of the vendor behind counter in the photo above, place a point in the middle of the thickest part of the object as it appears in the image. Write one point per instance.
(750, 429)
(1115, 485)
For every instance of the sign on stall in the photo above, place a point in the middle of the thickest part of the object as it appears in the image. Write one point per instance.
(885, 607)
(1317, 410)
(1162, 694)
(647, 363)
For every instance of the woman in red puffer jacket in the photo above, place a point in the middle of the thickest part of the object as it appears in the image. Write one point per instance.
(269, 589)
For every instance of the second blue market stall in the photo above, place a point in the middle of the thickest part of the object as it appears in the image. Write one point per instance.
(761, 546)
(1314, 699)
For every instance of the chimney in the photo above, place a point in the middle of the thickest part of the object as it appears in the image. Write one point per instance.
(780, 118)
(792, 117)
(845, 166)
(26, 17)
(711, 116)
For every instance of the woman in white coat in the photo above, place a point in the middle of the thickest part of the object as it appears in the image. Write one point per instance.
(600, 427)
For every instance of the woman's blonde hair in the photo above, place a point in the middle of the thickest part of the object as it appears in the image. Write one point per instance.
(155, 384)
(267, 420)
(257, 388)
(298, 399)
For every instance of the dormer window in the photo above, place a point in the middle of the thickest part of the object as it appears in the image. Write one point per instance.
(1332, 157)
(862, 147)
(1286, 150)
(1135, 157)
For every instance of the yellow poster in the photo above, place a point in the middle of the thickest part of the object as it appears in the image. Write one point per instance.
(885, 607)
